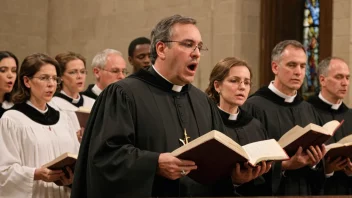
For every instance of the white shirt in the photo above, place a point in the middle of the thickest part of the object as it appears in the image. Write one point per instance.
(96, 90)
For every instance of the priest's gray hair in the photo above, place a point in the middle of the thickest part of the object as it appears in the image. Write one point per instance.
(280, 47)
(100, 58)
(163, 31)
(323, 66)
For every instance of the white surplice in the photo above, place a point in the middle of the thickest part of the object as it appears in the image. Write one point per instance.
(61, 104)
(26, 145)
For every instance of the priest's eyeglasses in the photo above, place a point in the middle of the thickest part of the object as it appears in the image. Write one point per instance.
(47, 79)
(238, 81)
(189, 44)
(117, 71)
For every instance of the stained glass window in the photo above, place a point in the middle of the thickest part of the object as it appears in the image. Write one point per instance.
(311, 43)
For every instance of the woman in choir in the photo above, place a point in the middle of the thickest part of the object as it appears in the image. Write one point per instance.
(229, 85)
(69, 99)
(32, 133)
(8, 74)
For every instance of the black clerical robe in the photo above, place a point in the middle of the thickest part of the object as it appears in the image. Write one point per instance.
(88, 92)
(339, 183)
(134, 121)
(278, 117)
(244, 130)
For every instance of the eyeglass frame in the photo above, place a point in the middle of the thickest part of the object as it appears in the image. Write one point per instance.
(185, 44)
(46, 79)
(239, 81)
(125, 72)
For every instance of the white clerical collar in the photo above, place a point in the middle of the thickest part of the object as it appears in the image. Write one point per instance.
(176, 88)
(96, 90)
(41, 111)
(232, 116)
(333, 106)
(74, 100)
(288, 99)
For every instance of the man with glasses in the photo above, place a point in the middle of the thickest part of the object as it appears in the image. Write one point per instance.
(108, 67)
(280, 107)
(139, 120)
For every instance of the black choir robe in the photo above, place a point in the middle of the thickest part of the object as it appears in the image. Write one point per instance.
(88, 92)
(339, 183)
(244, 130)
(278, 117)
(135, 120)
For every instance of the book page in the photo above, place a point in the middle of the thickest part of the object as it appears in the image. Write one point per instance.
(264, 150)
(291, 135)
(218, 136)
(345, 140)
(332, 126)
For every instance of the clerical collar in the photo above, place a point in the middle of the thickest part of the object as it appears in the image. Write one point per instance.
(73, 100)
(288, 99)
(242, 118)
(151, 77)
(96, 90)
(231, 116)
(176, 88)
(50, 117)
(40, 111)
(318, 103)
(333, 106)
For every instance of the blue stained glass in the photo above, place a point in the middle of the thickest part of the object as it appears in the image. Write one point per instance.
(311, 23)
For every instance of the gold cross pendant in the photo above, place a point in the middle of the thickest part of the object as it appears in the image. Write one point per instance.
(185, 141)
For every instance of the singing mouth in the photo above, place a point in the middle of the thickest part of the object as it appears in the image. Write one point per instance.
(192, 66)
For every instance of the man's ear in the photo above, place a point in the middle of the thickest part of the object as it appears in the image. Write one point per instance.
(160, 50)
(322, 80)
(96, 72)
(275, 67)
(130, 60)
(26, 82)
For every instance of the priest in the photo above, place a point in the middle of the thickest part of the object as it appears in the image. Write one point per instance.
(138, 121)
(279, 107)
(334, 77)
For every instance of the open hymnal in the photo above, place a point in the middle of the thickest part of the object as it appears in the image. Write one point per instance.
(342, 148)
(215, 155)
(311, 134)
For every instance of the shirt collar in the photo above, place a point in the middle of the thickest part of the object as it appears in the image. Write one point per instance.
(232, 116)
(41, 111)
(96, 90)
(288, 99)
(176, 88)
(74, 100)
(333, 106)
